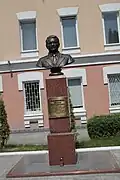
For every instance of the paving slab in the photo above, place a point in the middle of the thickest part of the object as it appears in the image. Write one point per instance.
(87, 163)
(7, 162)
(110, 177)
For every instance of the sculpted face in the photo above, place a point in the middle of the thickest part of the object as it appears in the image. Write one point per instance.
(52, 44)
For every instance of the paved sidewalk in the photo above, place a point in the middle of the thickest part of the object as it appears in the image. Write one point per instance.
(40, 137)
(7, 162)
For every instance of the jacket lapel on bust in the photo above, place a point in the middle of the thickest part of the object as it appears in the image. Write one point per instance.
(48, 61)
(61, 58)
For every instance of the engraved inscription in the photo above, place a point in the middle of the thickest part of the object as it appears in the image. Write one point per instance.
(58, 107)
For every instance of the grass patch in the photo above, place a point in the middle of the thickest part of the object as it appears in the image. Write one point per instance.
(14, 148)
(103, 142)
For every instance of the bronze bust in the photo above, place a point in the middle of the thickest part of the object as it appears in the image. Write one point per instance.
(54, 60)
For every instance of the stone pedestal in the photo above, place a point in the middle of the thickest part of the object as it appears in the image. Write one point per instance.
(61, 145)
(61, 142)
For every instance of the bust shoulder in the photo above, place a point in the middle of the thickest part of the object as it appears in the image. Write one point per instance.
(68, 58)
(43, 58)
(41, 61)
(66, 55)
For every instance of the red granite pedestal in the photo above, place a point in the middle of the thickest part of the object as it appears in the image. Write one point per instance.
(61, 142)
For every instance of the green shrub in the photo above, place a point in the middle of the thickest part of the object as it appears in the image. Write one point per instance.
(104, 126)
(4, 126)
(72, 117)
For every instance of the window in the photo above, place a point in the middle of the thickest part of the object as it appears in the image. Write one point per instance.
(28, 35)
(32, 97)
(114, 89)
(69, 29)
(75, 90)
(111, 27)
(76, 81)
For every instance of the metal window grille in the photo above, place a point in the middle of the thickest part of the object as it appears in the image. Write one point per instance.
(32, 97)
(114, 89)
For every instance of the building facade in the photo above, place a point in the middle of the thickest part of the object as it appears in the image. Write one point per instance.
(89, 30)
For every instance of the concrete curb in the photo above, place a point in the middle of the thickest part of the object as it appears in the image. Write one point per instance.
(46, 152)
(110, 148)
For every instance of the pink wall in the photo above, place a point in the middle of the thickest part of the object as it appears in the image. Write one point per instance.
(14, 101)
(96, 93)
(44, 101)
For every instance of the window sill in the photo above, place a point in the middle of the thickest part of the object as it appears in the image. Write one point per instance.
(112, 46)
(32, 117)
(71, 50)
(114, 109)
(33, 53)
(36, 116)
(80, 113)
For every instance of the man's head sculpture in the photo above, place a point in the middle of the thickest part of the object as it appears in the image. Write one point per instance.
(52, 43)
(54, 60)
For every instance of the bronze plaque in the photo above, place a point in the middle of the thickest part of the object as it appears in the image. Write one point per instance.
(58, 107)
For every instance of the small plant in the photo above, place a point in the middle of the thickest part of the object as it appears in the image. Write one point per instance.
(4, 126)
(72, 121)
(72, 117)
(104, 126)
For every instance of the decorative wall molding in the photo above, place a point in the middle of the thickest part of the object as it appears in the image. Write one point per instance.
(110, 7)
(30, 76)
(69, 11)
(76, 72)
(114, 69)
(114, 109)
(26, 15)
(33, 117)
(28, 64)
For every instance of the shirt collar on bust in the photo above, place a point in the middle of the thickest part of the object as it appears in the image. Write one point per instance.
(56, 54)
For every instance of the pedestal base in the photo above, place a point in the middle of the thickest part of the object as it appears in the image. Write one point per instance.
(61, 145)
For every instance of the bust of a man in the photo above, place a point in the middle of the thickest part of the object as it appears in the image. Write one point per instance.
(54, 60)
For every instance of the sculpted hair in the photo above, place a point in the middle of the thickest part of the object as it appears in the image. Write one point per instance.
(51, 36)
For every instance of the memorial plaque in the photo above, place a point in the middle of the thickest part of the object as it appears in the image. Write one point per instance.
(58, 107)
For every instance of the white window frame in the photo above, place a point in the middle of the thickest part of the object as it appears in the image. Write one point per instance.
(112, 7)
(27, 16)
(32, 76)
(109, 70)
(77, 36)
(69, 12)
(21, 37)
(76, 73)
